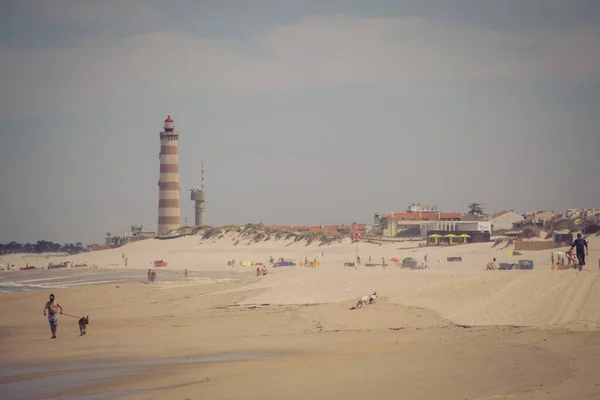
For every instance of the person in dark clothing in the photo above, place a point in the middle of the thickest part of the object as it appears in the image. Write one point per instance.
(581, 248)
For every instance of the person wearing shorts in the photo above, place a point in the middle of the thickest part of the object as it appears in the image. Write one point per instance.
(53, 308)
(581, 250)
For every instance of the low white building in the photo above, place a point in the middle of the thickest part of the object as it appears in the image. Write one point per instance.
(422, 208)
(505, 220)
(455, 226)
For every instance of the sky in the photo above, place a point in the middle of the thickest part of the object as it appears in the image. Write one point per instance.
(303, 112)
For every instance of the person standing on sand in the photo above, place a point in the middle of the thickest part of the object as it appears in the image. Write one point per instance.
(53, 308)
(185, 273)
(581, 248)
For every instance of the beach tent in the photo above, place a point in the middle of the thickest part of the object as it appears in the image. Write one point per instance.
(409, 262)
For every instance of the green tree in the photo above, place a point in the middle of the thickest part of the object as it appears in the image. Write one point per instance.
(475, 209)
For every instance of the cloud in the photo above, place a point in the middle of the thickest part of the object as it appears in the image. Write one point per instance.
(315, 52)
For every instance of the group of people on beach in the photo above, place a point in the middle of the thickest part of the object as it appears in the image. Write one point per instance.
(580, 245)
(151, 275)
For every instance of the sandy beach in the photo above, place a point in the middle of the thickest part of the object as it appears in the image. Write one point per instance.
(454, 331)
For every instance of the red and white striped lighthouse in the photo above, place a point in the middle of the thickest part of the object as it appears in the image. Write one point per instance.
(168, 184)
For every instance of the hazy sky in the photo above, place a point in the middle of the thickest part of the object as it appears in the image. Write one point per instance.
(304, 112)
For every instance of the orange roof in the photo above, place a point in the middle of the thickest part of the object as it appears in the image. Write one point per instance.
(500, 214)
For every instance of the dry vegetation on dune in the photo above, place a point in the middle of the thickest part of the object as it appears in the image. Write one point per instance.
(257, 233)
(588, 226)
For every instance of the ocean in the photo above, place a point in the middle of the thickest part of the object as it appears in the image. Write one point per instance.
(24, 281)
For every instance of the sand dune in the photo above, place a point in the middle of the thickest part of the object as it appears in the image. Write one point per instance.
(460, 291)
(473, 333)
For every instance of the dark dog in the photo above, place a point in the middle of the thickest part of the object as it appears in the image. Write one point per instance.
(83, 321)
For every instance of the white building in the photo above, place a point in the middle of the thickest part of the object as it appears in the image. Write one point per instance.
(505, 220)
(455, 226)
(414, 208)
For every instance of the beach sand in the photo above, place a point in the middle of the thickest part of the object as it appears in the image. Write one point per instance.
(454, 331)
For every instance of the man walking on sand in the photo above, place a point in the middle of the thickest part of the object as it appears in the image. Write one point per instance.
(53, 307)
(581, 248)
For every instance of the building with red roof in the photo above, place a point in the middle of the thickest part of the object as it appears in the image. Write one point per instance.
(390, 224)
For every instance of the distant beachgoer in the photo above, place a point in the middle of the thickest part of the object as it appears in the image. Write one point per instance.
(271, 260)
(491, 265)
(53, 308)
(369, 258)
(126, 259)
(185, 273)
(153, 275)
(425, 257)
(358, 260)
(265, 271)
(257, 271)
(149, 275)
(581, 248)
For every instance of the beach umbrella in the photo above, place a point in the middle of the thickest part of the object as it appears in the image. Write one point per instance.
(435, 238)
(465, 236)
(395, 259)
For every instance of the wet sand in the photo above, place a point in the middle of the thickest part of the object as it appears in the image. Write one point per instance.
(42, 279)
(197, 340)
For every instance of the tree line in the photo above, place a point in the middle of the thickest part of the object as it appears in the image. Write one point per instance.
(42, 246)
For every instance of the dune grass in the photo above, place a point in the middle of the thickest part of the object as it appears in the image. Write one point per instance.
(257, 233)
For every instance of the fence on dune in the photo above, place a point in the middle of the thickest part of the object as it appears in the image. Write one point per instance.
(535, 245)
(386, 239)
(49, 254)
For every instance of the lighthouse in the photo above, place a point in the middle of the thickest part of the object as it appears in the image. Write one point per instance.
(169, 209)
